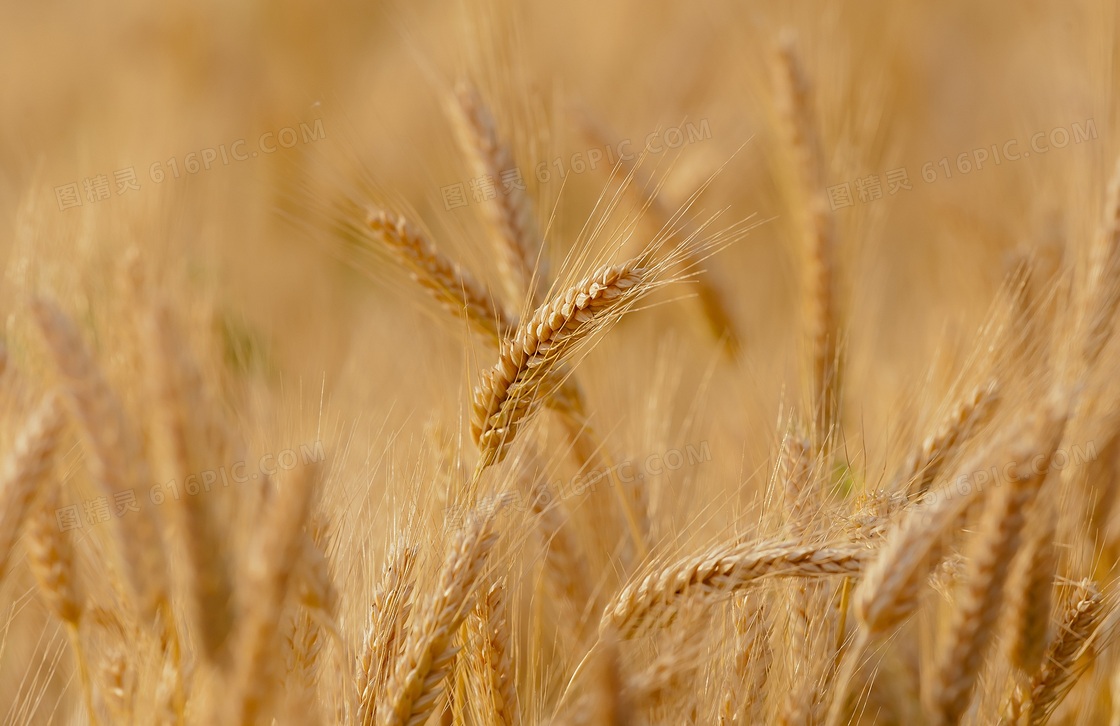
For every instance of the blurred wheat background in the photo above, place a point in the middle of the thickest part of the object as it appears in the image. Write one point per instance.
(590, 363)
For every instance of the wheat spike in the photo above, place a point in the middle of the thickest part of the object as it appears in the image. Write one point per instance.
(392, 603)
(491, 648)
(25, 469)
(970, 413)
(181, 439)
(978, 606)
(718, 573)
(113, 455)
(1084, 612)
(508, 392)
(795, 106)
(429, 651)
(274, 559)
(510, 213)
(451, 286)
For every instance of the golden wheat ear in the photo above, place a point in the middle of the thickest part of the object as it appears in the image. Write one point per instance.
(25, 470)
(113, 455)
(510, 215)
(429, 650)
(794, 102)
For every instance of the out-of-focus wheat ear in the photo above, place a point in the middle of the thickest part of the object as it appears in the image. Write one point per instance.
(392, 603)
(1067, 656)
(50, 557)
(566, 570)
(979, 603)
(745, 697)
(794, 477)
(794, 102)
(24, 471)
(889, 590)
(1104, 271)
(452, 287)
(713, 303)
(805, 663)
(970, 413)
(492, 655)
(268, 580)
(652, 600)
(510, 391)
(418, 675)
(180, 440)
(603, 700)
(113, 455)
(517, 242)
(1030, 590)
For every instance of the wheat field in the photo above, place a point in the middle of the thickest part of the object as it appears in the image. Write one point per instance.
(499, 363)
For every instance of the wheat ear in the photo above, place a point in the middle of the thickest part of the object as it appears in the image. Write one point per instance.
(713, 303)
(978, 607)
(508, 392)
(392, 603)
(926, 463)
(50, 556)
(429, 650)
(180, 437)
(1084, 612)
(25, 469)
(795, 107)
(452, 287)
(891, 585)
(1030, 590)
(510, 213)
(113, 455)
(653, 600)
(1103, 272)
(491, 648)
(269, 579)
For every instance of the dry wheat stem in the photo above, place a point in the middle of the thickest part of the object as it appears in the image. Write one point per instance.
(717, 574)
